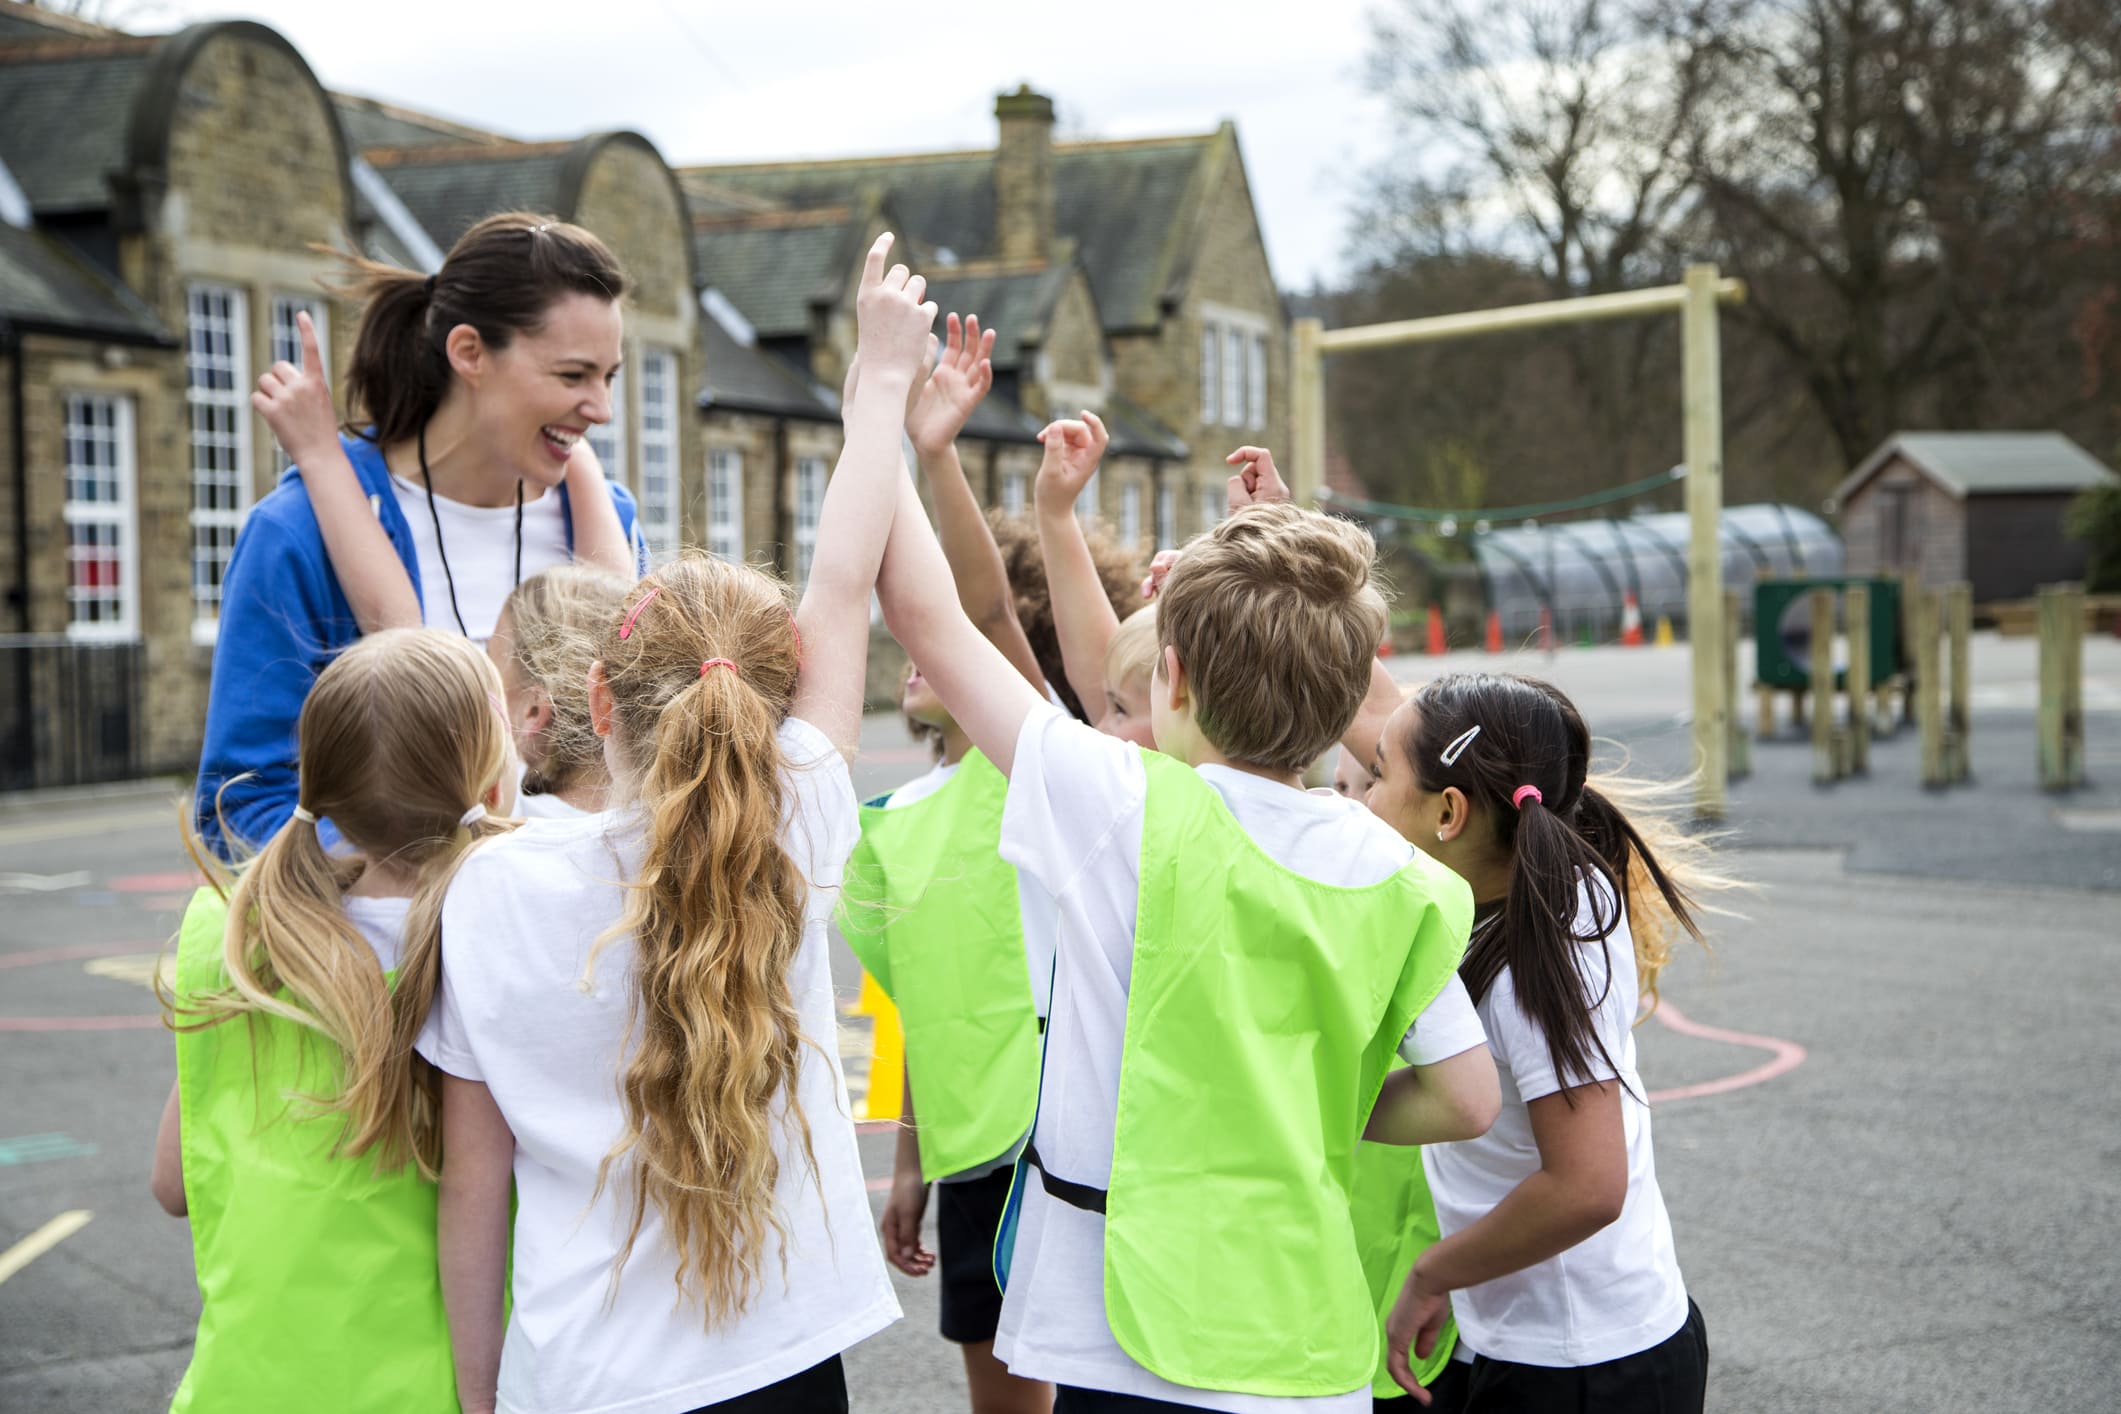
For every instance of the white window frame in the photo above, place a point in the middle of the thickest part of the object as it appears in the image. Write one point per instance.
(1235, 343)
(1211, 344)
(118, 514)
(1016, 492)
(1086, 505)
(1214, 501)
(1130, 513)
(725, 503)
(1166, 516)
(810, 477)
(285, 343)
(608, 440)
(228, 489)
(1256, 380)
(658, 444)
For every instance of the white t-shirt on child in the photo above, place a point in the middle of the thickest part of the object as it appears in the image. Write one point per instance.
(1074, 821)
(382, 922)
(1616, 1292)
(518, 925)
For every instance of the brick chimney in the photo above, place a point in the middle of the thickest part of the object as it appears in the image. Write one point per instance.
(1023, 175)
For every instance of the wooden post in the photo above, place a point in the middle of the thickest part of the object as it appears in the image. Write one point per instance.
(1702, 400)
(2073, 684)
(1856, 608)
(2061, 686)
(1741, 760)
(1959, 629)
(1308, 406)
(1929, 690)
(1823, 772)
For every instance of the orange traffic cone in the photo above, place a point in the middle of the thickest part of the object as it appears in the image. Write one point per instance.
(1546, 629)
(1436, 643)
(1494, 632)
(1384, 648)
(1630, 622)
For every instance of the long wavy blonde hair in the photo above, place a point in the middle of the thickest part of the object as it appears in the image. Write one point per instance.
(398, 738)
(702, 671)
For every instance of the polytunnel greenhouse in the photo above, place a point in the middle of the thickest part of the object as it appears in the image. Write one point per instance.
(1584, 569)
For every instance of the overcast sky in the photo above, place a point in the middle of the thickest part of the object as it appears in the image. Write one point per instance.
(712, 82)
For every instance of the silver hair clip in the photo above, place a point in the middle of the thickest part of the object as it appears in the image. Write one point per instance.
(1457, 748)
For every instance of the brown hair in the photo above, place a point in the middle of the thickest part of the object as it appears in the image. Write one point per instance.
(501, 277)
(1118, 569)
(716, 915)
(1276, 623)
(556, 620)
(397, 740)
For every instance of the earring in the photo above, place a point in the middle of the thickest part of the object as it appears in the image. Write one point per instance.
(1439, 836)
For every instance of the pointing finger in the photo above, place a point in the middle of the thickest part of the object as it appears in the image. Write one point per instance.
(312, 355)
(873, 266)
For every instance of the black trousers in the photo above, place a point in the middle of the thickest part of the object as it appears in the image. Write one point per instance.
(1668, 1378)
(1067, 1399)
(821, 1389)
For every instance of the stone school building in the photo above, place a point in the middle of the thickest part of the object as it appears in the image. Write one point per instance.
(159, 198)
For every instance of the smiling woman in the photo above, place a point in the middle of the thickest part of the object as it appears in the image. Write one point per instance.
(473, 388)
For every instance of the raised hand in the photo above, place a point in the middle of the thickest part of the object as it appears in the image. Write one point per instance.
(893, 322)
(964, 372)
(1158, 569)
(1073, 451)
(1256, 482)
(296, 402)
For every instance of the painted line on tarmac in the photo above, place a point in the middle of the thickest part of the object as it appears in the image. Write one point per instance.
(79, 1023)
(90, 825)
(38, 956)
(1785, 1056)
(43, 1240)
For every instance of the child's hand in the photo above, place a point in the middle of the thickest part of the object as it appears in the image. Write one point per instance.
(296, 402)
(901, 1225)
(1256, 482)
(1415, 1323)
(1073, 451)
(1158, 569)
(893, 338)
(963, 374)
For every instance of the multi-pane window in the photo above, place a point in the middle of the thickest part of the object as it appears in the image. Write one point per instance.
(287, 344)
(1086, 505)
(102, 547)
(217, 368)
(809, 503)
(1015, 491)
(725, 504)
(1213, 501)
(1234, 377)
(1130, 513)
(1256, 388)
(659, 451)
(1210, 371)
(1166, 517)
(608, 440)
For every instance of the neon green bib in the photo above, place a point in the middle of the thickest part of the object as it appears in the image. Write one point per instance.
(317, 1279)
(1395, 1222)
(931, 910)
(1262, 1011)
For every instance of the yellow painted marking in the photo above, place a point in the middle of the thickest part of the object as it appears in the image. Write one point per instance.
(89, 825)
(140, 967)
(885, 1097)
(43, 1240)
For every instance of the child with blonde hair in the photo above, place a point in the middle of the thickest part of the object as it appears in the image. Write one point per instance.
(1236, 961)
(301, 1136)
(636, 1021)
(544, 644)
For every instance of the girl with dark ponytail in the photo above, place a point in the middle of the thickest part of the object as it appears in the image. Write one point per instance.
(1556, 1254)
(473, 389)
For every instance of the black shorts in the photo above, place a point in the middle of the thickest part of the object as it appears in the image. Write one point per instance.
(967, 1215)
(821, 1389)
(1668, 1378)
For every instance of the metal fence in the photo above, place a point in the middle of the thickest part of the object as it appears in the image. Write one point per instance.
(69, 712)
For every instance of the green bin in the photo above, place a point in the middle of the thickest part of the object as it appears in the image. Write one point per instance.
(1782, 629)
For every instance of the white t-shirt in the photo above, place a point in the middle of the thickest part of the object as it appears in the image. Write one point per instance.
(1618, 1291)
(518, 924)
(1074, 821)
(382, 922)
(481, 541)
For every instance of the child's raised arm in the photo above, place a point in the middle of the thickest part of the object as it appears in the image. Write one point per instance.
(599, 539)
(861, 498)
(296, 405)
(962, 377)
(989, 698)
(1082, 615)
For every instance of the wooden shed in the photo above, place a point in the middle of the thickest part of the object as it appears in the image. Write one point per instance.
(1985, 507)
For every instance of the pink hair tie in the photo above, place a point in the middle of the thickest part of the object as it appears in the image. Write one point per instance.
(626, 628)
(720, 663)
(1517, 796)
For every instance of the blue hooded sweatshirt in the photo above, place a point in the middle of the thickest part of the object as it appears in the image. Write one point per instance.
(283, 617)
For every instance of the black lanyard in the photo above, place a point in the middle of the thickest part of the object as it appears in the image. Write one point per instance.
(427, 480)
